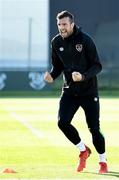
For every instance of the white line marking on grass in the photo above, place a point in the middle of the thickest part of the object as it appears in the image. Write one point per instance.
(34, 131)
(39, 134)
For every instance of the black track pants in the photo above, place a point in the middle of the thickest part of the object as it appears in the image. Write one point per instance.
(68, 107)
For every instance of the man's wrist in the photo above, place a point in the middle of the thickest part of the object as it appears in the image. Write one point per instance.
(83, 77)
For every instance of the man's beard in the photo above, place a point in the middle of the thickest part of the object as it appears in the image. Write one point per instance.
(64, 34)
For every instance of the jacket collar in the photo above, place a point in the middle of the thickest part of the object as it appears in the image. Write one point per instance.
(76, 31)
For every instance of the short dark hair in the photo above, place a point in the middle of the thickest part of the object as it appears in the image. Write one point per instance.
(65, 13)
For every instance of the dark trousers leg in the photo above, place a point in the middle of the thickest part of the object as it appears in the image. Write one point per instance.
(91, 108)
(67, 108)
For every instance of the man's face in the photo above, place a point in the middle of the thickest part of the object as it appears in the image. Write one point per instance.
(65, 27)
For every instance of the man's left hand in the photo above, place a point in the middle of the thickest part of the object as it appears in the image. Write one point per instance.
(76, 76)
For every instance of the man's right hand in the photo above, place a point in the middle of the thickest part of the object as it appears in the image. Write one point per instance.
(47, 77)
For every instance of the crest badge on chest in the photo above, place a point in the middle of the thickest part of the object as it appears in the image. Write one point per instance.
(79, 47)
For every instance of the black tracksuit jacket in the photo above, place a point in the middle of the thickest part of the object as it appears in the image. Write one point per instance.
(76, 53)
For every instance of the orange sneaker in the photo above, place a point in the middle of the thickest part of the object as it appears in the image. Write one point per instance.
(103, 168)
(82, 159)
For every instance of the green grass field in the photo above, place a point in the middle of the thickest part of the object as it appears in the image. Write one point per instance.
(32, 144)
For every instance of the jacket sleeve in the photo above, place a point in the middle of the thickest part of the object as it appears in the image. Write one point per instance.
(93, 60)
(57, 65)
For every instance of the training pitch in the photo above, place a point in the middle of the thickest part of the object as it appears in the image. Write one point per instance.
(33, 146)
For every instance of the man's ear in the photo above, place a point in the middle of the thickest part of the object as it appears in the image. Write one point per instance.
(72, 25)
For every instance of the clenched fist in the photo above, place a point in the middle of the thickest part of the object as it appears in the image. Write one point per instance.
(47, 77)
(76, 76)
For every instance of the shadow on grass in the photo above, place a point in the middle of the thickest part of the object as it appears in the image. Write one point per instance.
(110, 173)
